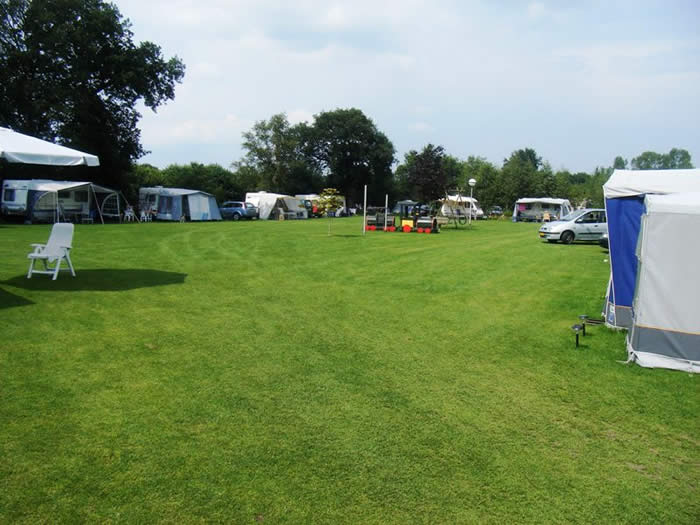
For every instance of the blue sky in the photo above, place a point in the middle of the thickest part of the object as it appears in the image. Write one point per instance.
(581, 82)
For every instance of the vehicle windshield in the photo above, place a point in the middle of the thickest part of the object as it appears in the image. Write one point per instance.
(573, 215)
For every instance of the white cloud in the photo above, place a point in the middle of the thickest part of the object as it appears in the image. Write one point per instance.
(422, 127)
(479, 77)
(297, 116)
(536, 10)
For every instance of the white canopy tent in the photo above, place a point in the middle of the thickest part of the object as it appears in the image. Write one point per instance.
(19, 148)
(665, 329)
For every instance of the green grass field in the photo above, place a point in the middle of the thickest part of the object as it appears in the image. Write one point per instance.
(265, 372)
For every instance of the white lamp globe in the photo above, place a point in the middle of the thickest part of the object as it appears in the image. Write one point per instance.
(472, 182)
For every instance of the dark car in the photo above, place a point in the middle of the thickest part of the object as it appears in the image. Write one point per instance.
(496, 211)
(237, 210)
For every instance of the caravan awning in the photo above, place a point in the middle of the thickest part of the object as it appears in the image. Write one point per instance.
(56, 186)
(543, 200)
(23, 149)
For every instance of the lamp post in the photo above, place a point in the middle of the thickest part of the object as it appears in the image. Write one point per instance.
(472, 183)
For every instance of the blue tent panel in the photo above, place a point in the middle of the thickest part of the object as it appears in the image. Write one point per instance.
(624, 219)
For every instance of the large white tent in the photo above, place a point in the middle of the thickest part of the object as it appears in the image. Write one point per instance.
(19, 148)
(624, 194)
(270, 204)
(665, 330)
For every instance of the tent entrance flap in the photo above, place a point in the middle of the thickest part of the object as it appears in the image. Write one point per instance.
(624, 218)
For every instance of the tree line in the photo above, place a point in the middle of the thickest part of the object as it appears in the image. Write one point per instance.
(72, 73)
(344, 149)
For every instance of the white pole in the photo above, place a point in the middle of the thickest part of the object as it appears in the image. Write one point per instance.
(386, 210)
(102, 220)
(364, 212)
(471, 204)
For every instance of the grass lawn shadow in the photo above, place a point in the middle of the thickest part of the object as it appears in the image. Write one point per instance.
(104, 280)
(8, 300)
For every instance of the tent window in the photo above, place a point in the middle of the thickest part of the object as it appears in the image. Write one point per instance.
(64, 194)
(165, 205)
(81, 196)
(9, 195)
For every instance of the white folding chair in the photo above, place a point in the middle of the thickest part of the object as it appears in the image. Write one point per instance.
(54, 251)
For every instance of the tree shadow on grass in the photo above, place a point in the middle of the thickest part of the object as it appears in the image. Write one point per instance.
(104, 280)
(8, 300)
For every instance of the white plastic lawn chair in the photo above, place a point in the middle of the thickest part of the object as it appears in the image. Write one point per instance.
(54, 251)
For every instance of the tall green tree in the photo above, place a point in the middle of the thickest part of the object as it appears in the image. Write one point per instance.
(487, 176)
(72, 73)
(352, 152)
(275, 151)
(620, 163)
(675, 159)
(520, 177)
(425, 172)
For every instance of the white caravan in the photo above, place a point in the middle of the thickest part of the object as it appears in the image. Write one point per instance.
(460, 206)
(534, 209)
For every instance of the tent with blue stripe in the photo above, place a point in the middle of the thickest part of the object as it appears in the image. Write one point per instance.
(624, 204)
(666, 312)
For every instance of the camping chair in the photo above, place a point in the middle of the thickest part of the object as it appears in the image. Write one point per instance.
(54, 251)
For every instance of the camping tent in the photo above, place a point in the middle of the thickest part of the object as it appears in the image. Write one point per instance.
(624, 204)
(171, 204)
(270, 205)
(665, 331)
(16, 147)
(533, 209)
(53, 201)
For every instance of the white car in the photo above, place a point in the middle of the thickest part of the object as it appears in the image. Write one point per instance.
(579, 225)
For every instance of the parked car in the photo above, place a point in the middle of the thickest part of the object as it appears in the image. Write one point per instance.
(604, 242)
(495, 211)
(580, 225)
(237, 210)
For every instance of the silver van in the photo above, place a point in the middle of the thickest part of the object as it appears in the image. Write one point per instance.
(579, 225)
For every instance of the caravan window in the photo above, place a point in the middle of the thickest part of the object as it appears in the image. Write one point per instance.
(80, 196)
(64, 194)
(9, 195)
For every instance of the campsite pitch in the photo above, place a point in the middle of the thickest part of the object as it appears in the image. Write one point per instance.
(265, 372)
